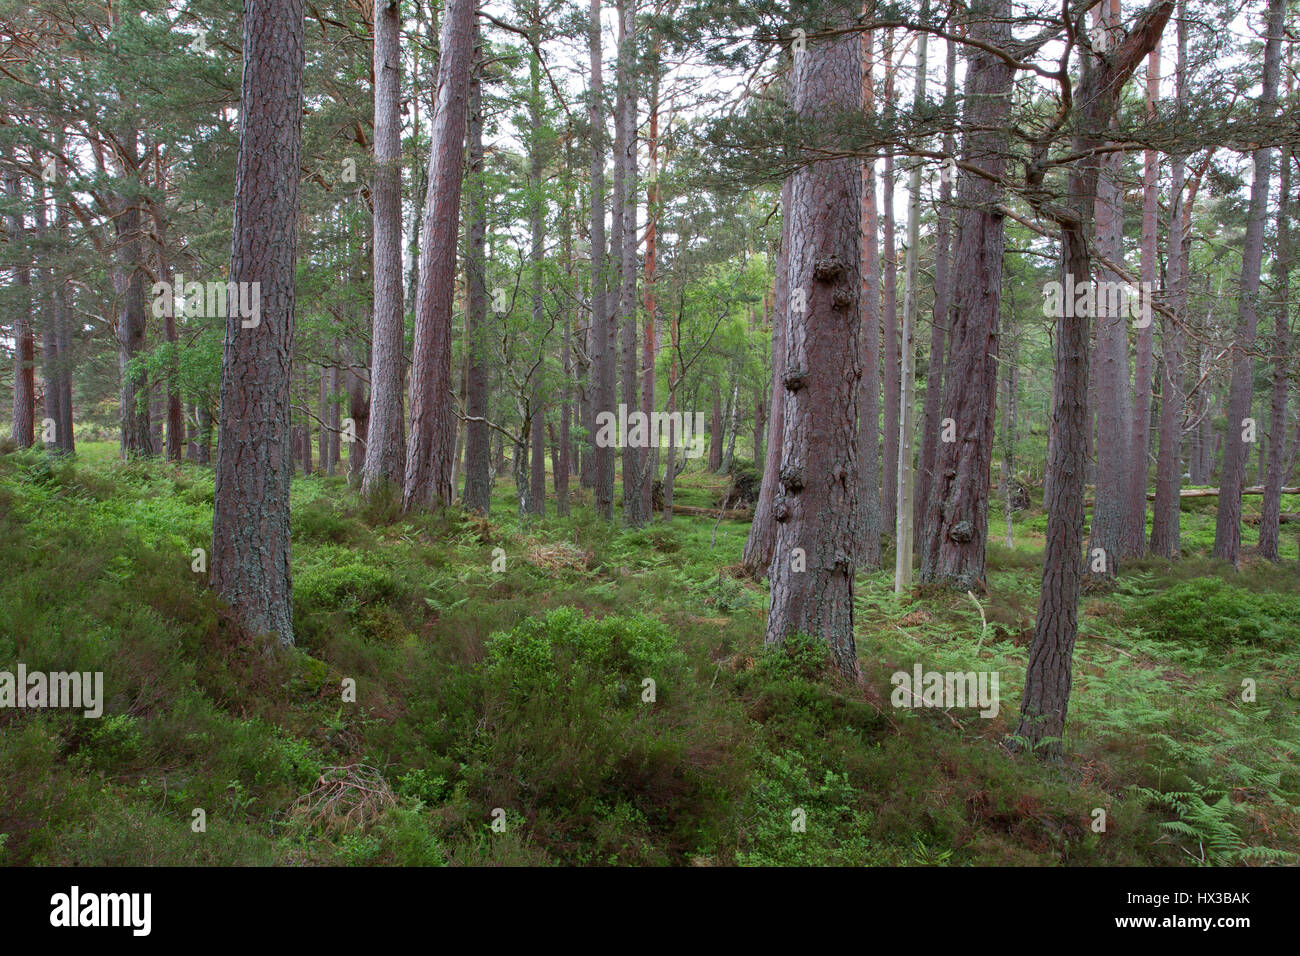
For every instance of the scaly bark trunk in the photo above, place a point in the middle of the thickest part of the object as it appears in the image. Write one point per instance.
(1050, 669)
(903, 528)
(889, 317)
(478, 450)
(1271, 512)
(959, 494)
(939, 319)
(1114, 417)
(386, 443)
(1136, 521)
(250, 527)
(1166, 512)
(813, 564)
(761, 542)
(600, 346)
(870, 519)
(24, 407)
(1227, 525)
(433, 419)
(633, 467)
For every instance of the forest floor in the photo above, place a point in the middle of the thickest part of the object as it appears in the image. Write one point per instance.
(517, 697)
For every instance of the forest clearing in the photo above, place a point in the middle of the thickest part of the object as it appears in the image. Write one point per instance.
(648, 433)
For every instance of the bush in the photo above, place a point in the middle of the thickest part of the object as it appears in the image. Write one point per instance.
(343, 586)
(556, 650)
(746, 480)
(1213, 613)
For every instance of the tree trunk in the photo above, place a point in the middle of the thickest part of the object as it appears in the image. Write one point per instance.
(385, 461)
(959, 495)
(1227, 525)
(716, 431)
(63, 322)
(24, 408)
(733, 424)
(1114, 417)
(813, 564)
(250, 528)
(478, 465)
(870, 519)
(903, 528)
(889, 316)
(940, 317)
(649, 339)
(1270, 515)
(1165, 513)
(1136, 522)
(44, 307)
(761, 542)
(432, 441)
(128, 285)
(600, 347)
(536, 256)
(1049, 671)
(1010, 408)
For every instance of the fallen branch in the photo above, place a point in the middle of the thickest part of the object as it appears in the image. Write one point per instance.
(731, 514)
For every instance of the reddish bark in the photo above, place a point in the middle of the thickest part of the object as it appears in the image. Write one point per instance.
(1227, 525)
(1050, 669)
(250, 528)
(432, 442)
(385, 447)
(939, 323)
(957, 510)
(812, 567)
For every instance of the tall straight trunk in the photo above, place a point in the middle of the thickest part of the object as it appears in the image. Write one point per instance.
(250, 526)
(358, 409)
(813, 564)
(128, 287)
(63, 320)
(670, 470)
(24, 407)
(716, 431)
(1010, 409)
(323, 413)
(175, 427)
(44, 307)
(939, 318)
(903, 528)
(204, 452)
(760, 544)
(959, 495)
(537, 462)
(1136, 522)
(1166, 511)
(650, 457)
(1049, 673)
(536, 256)
(336, 378)
(1111, 373)
(600, 347)
(870, 519)
(733, 424)
(562, 458)
(1227, 525)
(889, 317)
(1276, 471)
(432, 441)
(306, 447)
(478, 451)
(386, 443)
(633, 457)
